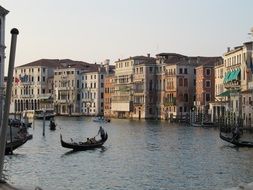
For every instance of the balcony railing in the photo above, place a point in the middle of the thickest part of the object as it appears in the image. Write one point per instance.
(169, 101)
(26, 96)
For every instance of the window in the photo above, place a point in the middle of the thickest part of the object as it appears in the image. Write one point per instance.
(102, 95)
(185, 71)
(208, 72)
(208, 83)
(180, 71)
(38, 79)
(185, 82)
(186, 97)
(180, 82)
(77, 84)
(102, 76)
(43, 91)
(150, 85)
(208, 97)
(150, 69)
(102, 85)
(43, 79)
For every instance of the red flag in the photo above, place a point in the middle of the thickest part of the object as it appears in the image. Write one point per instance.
(16, 80)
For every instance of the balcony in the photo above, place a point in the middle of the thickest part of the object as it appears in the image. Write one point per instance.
(26, 96)
(169, 101)
(27, 83)
(63, 101)
(138, 91)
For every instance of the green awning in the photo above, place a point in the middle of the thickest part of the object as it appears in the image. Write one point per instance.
(232, 75)
(227, 93)
(226, 77)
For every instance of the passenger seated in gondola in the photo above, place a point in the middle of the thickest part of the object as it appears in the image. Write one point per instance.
(88, 141)
(101, 131)
(93, 140)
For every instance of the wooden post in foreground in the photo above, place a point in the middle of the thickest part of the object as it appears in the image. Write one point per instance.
(14, 33)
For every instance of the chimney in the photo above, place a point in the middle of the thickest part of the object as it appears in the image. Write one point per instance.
(228, 49)
(106, 64)
(148, 55)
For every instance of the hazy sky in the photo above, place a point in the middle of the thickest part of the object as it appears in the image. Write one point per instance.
(94, 30)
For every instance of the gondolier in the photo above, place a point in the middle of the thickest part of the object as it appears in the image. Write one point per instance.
(101, 131)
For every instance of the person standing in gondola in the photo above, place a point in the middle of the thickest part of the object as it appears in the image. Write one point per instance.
(101, 131)
(236, 133)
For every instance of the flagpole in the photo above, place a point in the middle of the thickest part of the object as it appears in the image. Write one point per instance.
(14, 33)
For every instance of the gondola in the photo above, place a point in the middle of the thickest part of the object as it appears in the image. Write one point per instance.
(83, 145)
(10, 146)
(102, 119)
(235, 142)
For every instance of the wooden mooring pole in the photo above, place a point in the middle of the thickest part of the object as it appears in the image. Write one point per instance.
(14, 33)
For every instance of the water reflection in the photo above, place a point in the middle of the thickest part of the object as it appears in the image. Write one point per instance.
(137, 155)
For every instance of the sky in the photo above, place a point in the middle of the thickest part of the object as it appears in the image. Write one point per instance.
(95, 30)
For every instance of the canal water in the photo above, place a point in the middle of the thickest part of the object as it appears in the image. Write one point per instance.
(137, 155)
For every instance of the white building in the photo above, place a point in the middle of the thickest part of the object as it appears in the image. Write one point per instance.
(93, 90)
(30, 85)
(3, 13)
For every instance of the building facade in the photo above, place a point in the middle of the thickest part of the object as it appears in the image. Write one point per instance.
(108, 92)
(123, 97)
(143, 89)
(204, 87)
(30, 86)
(3, 13)
(67, 91)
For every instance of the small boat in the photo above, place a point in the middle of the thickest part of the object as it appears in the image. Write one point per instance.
(204, 124)
(48, 114)
(238, 142)
(10, 146)
(83, 145)
(102, 119)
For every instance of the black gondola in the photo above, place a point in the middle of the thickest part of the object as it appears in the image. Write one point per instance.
(236, 142)
(83, 145)
(10, 146)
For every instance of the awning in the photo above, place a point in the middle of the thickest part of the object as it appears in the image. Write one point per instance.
(227, 93)
(232, 75)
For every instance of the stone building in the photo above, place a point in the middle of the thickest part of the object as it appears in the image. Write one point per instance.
(143, 89)
(205, 84)
(108, 92)
(3, 13)
(68, 86)
(30, 86)
(67, 90)
(123, 97)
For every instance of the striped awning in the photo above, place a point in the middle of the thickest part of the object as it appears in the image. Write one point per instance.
(232, 75)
